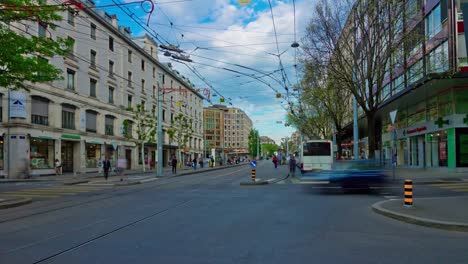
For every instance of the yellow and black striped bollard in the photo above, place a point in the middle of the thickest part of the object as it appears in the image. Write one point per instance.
(408, 193)
(252, 175)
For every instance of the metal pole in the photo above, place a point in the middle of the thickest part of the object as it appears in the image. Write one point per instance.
(355, 130)
(159, 171)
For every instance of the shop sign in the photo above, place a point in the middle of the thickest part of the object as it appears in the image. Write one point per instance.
(17, 104)
(415, 130)
(71, 136)
(115, 145)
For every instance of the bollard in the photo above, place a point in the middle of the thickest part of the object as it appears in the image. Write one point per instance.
(408, 193)
(252, 175)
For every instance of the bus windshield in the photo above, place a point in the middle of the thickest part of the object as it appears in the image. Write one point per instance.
(317, 149)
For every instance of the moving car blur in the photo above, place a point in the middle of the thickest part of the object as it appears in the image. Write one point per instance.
(351, 175)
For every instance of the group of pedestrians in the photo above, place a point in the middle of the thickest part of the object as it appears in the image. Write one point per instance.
(292, 163)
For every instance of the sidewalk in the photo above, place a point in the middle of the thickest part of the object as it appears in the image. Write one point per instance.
(447, 213)
(70, 178)
(429, 175)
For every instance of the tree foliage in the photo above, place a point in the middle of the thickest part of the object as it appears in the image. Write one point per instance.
(145, 125)
(23, 54)
(360, 44)
(180, 131)
(253, 141)
(269, 149)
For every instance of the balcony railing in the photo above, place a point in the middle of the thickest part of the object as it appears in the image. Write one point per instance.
(40, 120)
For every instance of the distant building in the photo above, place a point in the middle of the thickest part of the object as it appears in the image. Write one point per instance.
(226, 129)
(266, 140)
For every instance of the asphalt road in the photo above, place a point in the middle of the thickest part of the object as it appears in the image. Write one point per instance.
(210, 218)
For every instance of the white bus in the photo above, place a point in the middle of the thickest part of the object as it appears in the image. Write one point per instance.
(317, 155)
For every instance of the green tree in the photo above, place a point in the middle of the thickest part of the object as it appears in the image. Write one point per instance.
(362, 44)
(253, 141)
(180, 131)
(269, 149)
(146, 129)
(23, 55)
(333, 101)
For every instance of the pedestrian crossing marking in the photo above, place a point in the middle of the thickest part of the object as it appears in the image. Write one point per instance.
(52, 192)
(456, 187)
(29, 195)
(295, 180)
(281, 182)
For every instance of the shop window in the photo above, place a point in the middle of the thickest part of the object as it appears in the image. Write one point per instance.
(42, 153)
(40, 111)
(93, 154)
(461, 101)
(91, 118)
(109, 125)
(416, 113)
(462, 147)
(68, 116)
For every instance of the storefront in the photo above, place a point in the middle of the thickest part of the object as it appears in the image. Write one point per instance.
(42, 152)
(93, 154)
(2, 165)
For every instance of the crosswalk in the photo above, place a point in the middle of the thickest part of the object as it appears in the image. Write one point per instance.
(294, 180)
(453, 186)
(52, 192)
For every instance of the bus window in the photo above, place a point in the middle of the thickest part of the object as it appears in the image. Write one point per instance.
(317, 149)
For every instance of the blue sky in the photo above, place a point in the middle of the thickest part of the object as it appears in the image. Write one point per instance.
(217, 31)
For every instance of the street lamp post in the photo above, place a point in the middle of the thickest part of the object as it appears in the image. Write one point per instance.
(258, 146)
(159, 170)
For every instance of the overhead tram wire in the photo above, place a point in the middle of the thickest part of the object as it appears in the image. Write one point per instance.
(283, 72)
(238, 65)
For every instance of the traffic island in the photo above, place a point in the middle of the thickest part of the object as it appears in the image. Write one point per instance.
(10, 203)
(441, 212)
(127, 183)
(74, 182)
(256, 182)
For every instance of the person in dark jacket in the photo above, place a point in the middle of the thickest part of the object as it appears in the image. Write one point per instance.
(292, 165)
(106, 166)
(174, 164)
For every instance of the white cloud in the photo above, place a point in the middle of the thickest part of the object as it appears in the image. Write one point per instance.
(251, 24)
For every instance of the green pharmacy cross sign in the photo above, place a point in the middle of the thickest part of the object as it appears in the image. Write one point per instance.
(440, 122)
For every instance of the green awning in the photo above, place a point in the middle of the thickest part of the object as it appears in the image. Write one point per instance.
(71, 136)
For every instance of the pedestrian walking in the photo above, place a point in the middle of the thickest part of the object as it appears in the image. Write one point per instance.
(174, 164)
(58, 167)
(200, 161)
(275, 161)
(107, 166)
(121, 165)
(292, 165)
(211, 162)
(194, 162)
(99, 164)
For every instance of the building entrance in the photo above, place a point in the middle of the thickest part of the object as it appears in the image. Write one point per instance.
(67, 156)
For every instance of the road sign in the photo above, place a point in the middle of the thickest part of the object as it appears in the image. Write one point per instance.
(253, 163)
(393, 115)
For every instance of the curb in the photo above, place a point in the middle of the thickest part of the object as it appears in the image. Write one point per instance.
(201, 171)
(14, 203)
(260, 182)
(25, 180)
(445, 225)
(75, 182)
(127, 183)
(278, 180)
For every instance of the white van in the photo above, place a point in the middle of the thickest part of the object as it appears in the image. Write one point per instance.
(317, 155)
